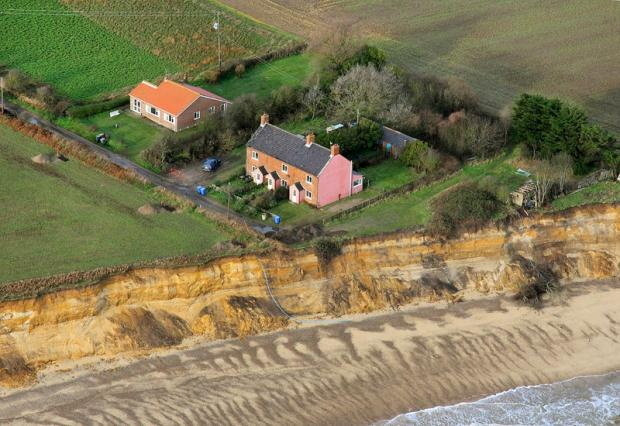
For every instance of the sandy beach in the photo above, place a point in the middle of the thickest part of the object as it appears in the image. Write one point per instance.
(350, 370)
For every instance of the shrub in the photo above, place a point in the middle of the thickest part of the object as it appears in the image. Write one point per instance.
(265, 201)
(46, 96)
(284, 102)
(352, 140)
(442, 96)
(464, 207)
(469, 134)
(326, 249)
(281, 194)
(243, 115)
(17, 82)
(81, 111)
(418, 155)
(239, 69)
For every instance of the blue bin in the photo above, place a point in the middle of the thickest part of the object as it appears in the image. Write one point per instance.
(276, 219)
(201, 190)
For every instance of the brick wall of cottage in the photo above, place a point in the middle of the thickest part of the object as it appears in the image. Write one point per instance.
(293, 175)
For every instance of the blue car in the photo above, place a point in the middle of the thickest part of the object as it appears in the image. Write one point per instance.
(211, 164)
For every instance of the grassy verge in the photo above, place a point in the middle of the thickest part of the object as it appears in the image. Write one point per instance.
(602, 192)
(64, 216)
(265, 78)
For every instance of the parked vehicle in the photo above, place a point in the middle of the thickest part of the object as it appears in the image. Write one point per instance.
(102, 138)
(211, 164)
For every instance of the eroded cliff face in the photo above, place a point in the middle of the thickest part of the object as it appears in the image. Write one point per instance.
(229, 297)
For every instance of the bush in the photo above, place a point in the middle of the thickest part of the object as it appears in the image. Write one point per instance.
(442, 96)
(418, 155)
(281, 194)
(326, 249)
(244, 114)
(239, 69)
(265, 201)
(284, 102)
(352, 140)
(81, 111)
(17, 82)
(464, 207)
(465, 134)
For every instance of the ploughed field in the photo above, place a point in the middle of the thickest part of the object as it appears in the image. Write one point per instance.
(86, 48)
(65, 216)
(564, 48)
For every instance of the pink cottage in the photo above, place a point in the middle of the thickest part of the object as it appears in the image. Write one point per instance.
(312, 173)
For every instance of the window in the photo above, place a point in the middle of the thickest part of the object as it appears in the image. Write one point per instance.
(254, 155)
(357, 182)
(154, 111)
(309, 195)
(284, 184)
(223, 107)
(212, 109)
(308, 179)
(137, 105)
(253, 168)
(170, 118)
(284, 168)
(196, 115)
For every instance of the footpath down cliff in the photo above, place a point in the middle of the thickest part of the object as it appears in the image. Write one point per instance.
(236, 297)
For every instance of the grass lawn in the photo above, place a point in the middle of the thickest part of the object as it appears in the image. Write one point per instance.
(602, 192)
(80, 58)
(265, 78)
(413, 209)
(306, 125)
(387, 175)
(132, 135)
(65, 216)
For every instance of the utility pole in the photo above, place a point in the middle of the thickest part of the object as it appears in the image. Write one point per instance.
(219, 43)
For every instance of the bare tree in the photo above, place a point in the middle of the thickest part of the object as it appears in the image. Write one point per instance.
(313, 99)
(366, 91)
(563, 164)
(545, 176)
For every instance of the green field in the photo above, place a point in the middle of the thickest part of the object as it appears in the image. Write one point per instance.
(413, 209)
(113, 44)
(602, 192)
(73, 54)
(266, 77)
(567, 48)
(129, 134)
(65, 216)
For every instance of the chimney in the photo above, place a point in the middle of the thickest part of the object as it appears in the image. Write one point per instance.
(335, 149)
(264, 120)
(309, 139)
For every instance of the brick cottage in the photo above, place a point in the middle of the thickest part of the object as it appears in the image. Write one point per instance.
(312, 173)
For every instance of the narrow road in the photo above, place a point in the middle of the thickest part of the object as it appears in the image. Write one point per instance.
(185, 191)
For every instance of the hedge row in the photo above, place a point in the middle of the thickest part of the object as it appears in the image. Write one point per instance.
(81, 111)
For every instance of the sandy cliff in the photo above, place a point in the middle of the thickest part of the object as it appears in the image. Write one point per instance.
(229, 297)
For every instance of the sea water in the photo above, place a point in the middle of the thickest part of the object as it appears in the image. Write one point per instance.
(587, 400)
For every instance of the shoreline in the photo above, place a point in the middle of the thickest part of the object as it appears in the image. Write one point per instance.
(358, 369)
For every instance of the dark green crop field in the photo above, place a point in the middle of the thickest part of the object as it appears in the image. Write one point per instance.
(79, 58)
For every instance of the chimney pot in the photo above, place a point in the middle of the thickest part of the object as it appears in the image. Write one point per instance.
(335, 149)
(310, 139)
(264, 120)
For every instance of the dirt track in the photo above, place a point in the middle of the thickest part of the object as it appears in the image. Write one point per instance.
(353, 370)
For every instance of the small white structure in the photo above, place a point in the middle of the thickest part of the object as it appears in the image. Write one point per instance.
(115, 113)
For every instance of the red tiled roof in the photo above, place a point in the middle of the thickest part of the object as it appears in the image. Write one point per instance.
(170, 96)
